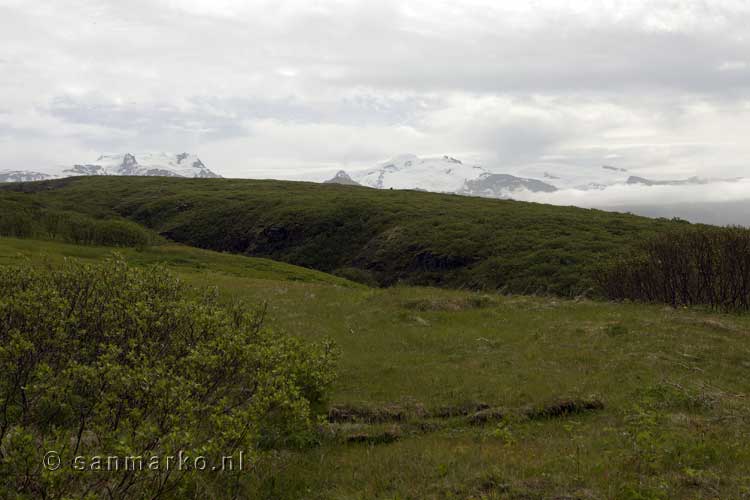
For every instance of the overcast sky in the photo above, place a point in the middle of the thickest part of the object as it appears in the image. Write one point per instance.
(285, 88)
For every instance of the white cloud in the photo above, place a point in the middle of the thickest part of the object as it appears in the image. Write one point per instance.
(286, 88)
(632, 195)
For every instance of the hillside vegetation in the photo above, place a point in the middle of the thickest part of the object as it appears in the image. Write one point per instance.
(193, 261)
(372, 236)
(21, 219)
(108, 359)
(701, 265)
(447, 394)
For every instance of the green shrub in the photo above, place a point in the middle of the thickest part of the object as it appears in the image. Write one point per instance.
(107, 360)
(71, 227)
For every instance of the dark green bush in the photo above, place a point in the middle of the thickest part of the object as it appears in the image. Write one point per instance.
(108, 360)
(22, 222)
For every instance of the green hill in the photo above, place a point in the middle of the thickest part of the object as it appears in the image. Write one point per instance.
(372, 236)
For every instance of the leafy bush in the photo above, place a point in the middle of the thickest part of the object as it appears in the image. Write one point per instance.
(107, 360)
(83, 230)
(21, 221)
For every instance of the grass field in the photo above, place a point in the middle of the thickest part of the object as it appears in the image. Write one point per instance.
(451, 394)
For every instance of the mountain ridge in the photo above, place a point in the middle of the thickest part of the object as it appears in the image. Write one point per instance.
(444, 174)
(143, 164)
(449, 175)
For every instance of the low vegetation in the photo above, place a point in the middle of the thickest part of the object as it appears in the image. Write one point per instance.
(189, 261)
(373, 236)
(440, 393)
(446, 394)
(112, 361)
(24, 221)
(700, 265)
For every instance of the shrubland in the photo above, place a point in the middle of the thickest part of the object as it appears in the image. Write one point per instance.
(693, 266)
(378, 237)
(456, 394)
(440, 393)
(28, 221)
(108, 360)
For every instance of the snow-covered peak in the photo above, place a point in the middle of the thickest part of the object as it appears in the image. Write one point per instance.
(405, 159)
(565, 176)
(440, 174)
(22, 176)
(503, 186)
(341, 177)
(144, 164)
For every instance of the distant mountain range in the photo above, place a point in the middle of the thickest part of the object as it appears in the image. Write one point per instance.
(449, 175)
(146, 164)
(22, 176)
(548, 182)
(564, 184)
(442, 175)
(502, 185)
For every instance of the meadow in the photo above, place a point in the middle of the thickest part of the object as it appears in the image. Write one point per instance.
(456, 394)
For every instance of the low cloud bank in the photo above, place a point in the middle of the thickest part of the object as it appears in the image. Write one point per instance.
(638, 194)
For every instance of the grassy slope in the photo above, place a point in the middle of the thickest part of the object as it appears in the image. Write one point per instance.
(186, 260)
(674, 385)
(370, 235)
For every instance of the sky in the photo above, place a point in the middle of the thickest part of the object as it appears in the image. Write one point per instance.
(298, 89)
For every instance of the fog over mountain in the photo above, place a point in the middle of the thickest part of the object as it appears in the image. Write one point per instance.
(719, 202)
(710, 200)
(294, 89)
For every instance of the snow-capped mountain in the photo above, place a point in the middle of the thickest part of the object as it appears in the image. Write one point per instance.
(548, 182)
(146, 164)
(22, 176)
(585, 178)
(443, 174)
(580, 177)
(342, 177)
(502, 186)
